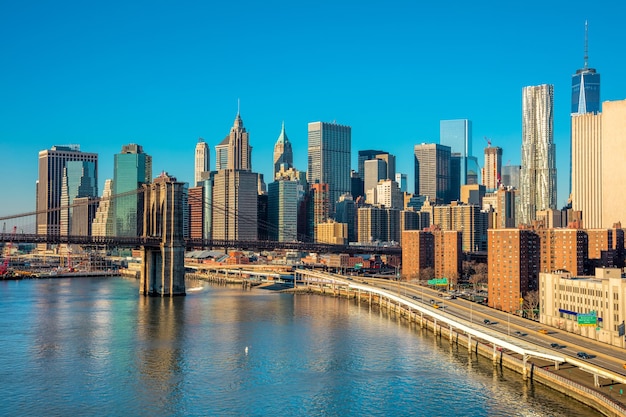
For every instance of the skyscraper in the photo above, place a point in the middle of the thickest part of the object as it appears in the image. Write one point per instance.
(283, 154)
(52, 163)
(374, 170)
(492, 171)
(329, 149)
(203, 159)
(457, 134)
(283, 210)
(239, 149)
(80, 180)
(132, 169)
(103, 222)
(613, 173)
(585, 87)
(432, 172)
(585, 98)
(221, 154)
(538, 175)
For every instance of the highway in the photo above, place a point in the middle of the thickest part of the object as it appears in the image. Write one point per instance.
(604, 356)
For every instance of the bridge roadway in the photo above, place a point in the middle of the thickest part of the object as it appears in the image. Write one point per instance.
(155, 241)
(497, 339)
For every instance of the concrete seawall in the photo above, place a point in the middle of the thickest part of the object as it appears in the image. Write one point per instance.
(531, 372)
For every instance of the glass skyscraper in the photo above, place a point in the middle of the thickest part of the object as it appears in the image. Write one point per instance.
(457, 134)
(132, 169)
(585, 87)
(329, 150)
(79, 180)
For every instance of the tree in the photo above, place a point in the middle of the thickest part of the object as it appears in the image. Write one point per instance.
(426, 274)
(531, 304)
(480, 276)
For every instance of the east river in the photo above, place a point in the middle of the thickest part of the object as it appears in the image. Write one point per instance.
(95, 347)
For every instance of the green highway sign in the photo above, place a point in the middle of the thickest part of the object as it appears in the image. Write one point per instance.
(587, 319)
(442, 281)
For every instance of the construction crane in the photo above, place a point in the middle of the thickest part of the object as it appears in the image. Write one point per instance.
(488, 142)
(7, 256)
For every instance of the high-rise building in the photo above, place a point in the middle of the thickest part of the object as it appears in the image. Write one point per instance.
(465, 218)
(346, 213)
(586, 168)
(332, 232)
(374, 170)
(329, 146)
(318, 207)
(418, 253)
(234, 205)
(613, 173)
(492, 171)
(401, 179)
(538, 175)
(585, 87)
(378, 224)
(283, 154)
(132, 169)
(80, 180)
(103, 222)
(511, 176)
(432, 167)
(513, 266)
(457, 134)
(448, 255)
(388, 195)
(203, 162)
(221, 154)
(239, 149)
(585, 99)
(283, 210)
(366, 155)
(52, 164)
(196, 211)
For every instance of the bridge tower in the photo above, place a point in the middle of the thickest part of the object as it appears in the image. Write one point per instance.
(163, 266)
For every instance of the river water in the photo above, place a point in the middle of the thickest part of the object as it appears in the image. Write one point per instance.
(94, 346)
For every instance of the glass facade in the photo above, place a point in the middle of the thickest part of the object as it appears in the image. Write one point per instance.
(457, 134)
(585, 91)
(79, 180)
(132, 169)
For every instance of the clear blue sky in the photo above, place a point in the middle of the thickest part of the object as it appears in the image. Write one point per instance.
(162, 74)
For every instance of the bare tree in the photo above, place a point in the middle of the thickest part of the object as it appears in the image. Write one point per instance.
(531, 304)
(426, 274)
(479, 278)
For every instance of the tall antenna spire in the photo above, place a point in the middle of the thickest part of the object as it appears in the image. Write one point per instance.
(238, 99)
(586, 45)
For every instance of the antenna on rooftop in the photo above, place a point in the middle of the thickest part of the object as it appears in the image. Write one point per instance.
(586, 44)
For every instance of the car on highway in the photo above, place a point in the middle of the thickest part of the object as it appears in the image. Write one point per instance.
(555, 345)
(543, 331)
(583, 355)
(487, 321)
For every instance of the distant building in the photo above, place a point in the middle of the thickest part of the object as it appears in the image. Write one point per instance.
(202, 162)
(511, 176)
(234, 203)
(492, 171)
(457, 134)
(375, 170)
(538, 175)
(329, 147)
(318, 207)
(103, 222)
(418, 253)
(346, 213)
(283, 210)
(465, 218)
(283, 152)
(332, 232)
(401, 179)
(132, 169)
(613, 172)
(81, 181)
(378, 224)
(432, 167)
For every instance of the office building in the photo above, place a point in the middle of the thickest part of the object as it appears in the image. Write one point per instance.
(388, 195)
(221, 154)
(239, 149)
(203, 160)
(432, 168)
(80, 180)
(492, 171)
(613, 172)
(378, 224)
(374, 170)
(318, 207)
(346, 213)
(457, 134)
(511, 176)
(366, 155)
(329, 146)
(234, 205)
(283, 204)
(104, 219)
(465, 218)
(283, 153)
(52, 163)
(585, 86)
(538, 174)
(591, 306)
(402, 179)
(132, 169)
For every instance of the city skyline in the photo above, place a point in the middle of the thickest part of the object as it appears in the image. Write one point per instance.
(70, 82)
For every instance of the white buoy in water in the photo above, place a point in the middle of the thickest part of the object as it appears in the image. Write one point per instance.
(246, 350)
